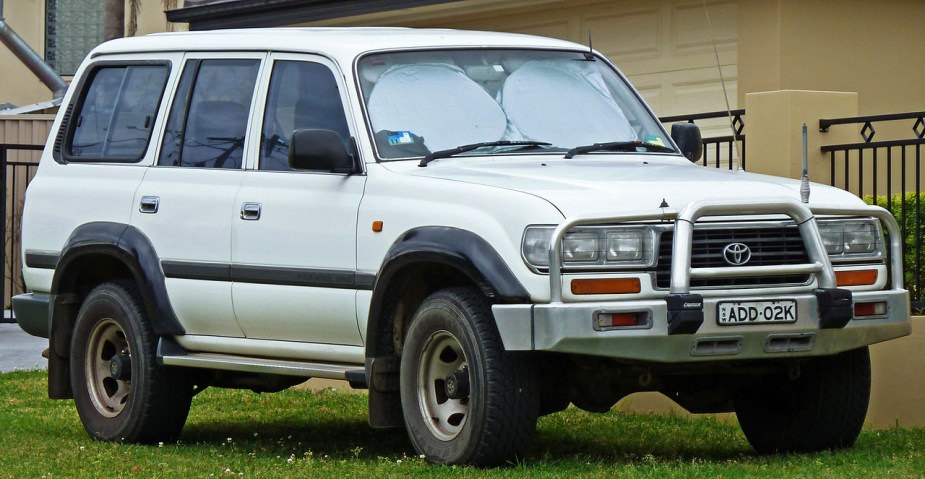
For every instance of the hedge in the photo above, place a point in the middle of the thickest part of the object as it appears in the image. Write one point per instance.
(913, 207)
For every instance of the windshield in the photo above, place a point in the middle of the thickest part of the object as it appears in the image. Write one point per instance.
(428, 101)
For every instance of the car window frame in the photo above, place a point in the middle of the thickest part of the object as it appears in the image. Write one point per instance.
(258, 115)
(68, 126)
(194, 56)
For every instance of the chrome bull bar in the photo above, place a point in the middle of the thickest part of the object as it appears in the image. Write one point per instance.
(685, 218)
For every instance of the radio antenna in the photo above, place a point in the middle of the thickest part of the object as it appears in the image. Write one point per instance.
(722, 81)
(804, 181)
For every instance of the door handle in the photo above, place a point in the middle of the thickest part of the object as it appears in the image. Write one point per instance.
(250, 211)
(149, 204)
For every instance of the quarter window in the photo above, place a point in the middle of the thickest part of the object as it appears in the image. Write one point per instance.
(116, 113)
(208, 118)
(303, 95)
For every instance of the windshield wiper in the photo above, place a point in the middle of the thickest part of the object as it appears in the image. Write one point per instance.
(474, 146)
(618, 146)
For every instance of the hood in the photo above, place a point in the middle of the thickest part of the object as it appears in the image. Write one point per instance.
(625, 183)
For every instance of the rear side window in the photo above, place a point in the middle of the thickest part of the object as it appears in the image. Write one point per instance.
(115, 113)
(208, 118)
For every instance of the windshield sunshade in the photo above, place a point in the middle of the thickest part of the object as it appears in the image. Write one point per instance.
(424, 102)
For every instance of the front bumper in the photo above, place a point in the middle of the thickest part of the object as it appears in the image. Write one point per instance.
(568, 326)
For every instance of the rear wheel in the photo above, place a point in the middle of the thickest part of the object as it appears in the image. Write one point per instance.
(120, 391)
(465, 399)
(823, 408)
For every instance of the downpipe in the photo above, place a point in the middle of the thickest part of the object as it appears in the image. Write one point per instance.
(31, 59)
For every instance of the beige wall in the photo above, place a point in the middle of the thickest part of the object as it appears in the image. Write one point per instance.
(17, 84)
(873, 48)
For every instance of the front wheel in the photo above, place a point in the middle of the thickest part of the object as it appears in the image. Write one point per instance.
(823, 407)
(120, 391)
(465, 400)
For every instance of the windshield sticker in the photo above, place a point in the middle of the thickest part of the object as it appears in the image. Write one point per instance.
(400, 138)
(654, 140)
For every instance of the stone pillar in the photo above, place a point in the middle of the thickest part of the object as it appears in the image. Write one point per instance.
(773, 131)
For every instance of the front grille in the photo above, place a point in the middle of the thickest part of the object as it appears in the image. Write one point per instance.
(770, 245)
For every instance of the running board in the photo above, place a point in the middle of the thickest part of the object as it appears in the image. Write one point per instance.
(169, 353)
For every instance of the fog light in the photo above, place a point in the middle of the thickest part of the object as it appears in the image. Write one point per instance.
(606, 286)
(870, 309)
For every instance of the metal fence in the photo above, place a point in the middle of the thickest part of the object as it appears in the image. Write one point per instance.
(14, 177)
(887, 173)
(722, 151)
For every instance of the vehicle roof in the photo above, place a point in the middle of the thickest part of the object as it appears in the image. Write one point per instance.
(339, 42)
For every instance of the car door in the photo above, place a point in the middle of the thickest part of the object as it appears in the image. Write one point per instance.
(184, 202)
(294, 232)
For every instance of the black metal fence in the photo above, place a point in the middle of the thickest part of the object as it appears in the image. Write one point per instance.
(722, 151)
(14, 177)
(887, 173)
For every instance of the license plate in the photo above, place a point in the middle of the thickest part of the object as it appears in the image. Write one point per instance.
(757, 312)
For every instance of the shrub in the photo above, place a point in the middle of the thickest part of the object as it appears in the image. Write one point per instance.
(909, 211)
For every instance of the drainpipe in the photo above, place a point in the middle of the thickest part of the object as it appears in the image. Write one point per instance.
(31, 59)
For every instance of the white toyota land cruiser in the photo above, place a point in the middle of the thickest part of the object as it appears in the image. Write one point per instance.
(480, 228)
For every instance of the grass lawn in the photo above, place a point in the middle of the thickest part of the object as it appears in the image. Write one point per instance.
(299, 433)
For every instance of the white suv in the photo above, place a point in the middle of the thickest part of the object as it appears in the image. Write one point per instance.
(481, 228)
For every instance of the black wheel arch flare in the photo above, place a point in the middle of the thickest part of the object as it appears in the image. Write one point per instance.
(460, 249)
(125, 245)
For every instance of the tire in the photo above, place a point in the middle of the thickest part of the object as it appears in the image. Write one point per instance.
(824, 408)
(145, 402)
(493, 423)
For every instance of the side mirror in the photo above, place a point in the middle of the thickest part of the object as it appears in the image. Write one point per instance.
(319, 150)
(687, 137)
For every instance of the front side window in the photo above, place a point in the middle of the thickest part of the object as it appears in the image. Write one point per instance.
(425, 101)
(116, 112)
(302, 95)
(208, 118)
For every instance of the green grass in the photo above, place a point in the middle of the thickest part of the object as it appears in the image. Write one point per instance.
(299, 433)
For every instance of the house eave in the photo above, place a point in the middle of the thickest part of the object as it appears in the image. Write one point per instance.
(274, 13)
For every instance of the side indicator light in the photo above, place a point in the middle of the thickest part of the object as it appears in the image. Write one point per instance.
(862, 277)
(606, 286)
(377, 226)
(869, 309)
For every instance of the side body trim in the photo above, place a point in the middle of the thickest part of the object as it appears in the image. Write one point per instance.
(320, 278)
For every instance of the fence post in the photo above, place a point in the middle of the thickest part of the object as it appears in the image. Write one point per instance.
(775, 121)
(3, 192)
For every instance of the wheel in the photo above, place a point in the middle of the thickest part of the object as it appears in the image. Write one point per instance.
(823, 408)
(465, 400)
(120, 391)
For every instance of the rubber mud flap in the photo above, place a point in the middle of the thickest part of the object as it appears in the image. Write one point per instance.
(685, 313)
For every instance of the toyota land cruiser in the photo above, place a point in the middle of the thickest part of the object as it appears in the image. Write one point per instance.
(479, 228)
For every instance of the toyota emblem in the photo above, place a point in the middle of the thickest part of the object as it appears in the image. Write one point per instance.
(737, 254)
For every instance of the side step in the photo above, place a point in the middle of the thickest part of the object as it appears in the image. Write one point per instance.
(170, 353)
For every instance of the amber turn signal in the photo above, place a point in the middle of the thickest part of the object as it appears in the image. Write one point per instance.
(606, 286)
(377, 226)
(860, 277)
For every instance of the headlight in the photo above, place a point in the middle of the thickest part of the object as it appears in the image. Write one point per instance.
(592, 247)
(852, 239)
